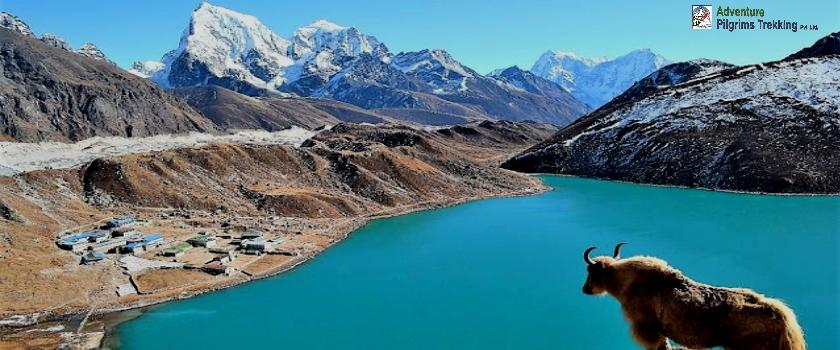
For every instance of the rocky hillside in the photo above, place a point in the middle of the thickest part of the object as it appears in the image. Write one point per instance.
(665, 77)
(345, 171)
(771, 127)
(232, 110)
(350, 171)
(54, 94)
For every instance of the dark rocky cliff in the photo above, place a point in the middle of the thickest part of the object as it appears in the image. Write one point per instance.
(52, 94)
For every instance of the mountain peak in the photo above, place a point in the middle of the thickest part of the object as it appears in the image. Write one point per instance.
(90, 50)
(12, 22)
(561, 53)
(431, 60)
(55, 41)
(208, 16)
(645, 50)
(323, 35)
(572, 56)
(205, 6)
(507, 71)
(326, 25)
(499, 72)
(220, 43)
(644, 56)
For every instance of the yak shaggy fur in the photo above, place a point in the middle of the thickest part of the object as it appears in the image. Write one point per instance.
(661, 303)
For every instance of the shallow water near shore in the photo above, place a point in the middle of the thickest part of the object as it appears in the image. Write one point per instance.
(507, 273)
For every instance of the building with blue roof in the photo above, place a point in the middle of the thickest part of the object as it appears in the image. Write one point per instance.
(140, 245)
(120, 221)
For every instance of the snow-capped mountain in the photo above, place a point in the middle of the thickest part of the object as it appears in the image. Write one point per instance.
(341, 41)
(372, 83)
(233, 50)
(322, 49)
(563, 67)
(435, 67)
(597, 80)
(12, 22)
(227, 48)
(432, 84)
(523, 80)
(769, 127)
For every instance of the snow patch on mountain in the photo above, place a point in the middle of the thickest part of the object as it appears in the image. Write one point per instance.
(436, 59)
(435, 67)
(90, 50)
(146, 69)
(675, 73)
(12, 22)
(810, 83)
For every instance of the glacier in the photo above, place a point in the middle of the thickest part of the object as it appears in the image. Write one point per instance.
(18, 157)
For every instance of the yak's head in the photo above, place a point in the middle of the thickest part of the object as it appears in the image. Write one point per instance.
(599, 270)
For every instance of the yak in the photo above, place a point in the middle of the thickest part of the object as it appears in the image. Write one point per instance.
(661, 303)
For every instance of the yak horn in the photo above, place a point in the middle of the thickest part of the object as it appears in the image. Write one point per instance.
(617, 251)
(586, 256)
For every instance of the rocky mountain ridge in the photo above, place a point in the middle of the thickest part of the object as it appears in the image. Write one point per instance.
(770, 127)
(15, 24)
(233, 50)
(53, 94)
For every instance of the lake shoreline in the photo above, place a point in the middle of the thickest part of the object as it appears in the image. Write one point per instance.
(709, 189)
(458, 263)
(112, 317)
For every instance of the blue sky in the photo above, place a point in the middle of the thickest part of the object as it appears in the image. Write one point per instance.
(484, 34)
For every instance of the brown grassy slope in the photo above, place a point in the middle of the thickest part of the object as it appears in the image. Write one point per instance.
(232, 110)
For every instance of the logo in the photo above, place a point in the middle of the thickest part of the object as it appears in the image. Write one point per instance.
(701, 16)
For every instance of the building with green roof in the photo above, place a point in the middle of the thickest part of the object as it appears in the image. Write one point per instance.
(202, 241)
(177, 249)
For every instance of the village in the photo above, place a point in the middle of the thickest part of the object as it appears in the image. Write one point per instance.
(213, 243)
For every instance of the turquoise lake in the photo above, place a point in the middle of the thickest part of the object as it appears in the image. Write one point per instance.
(507, 273)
